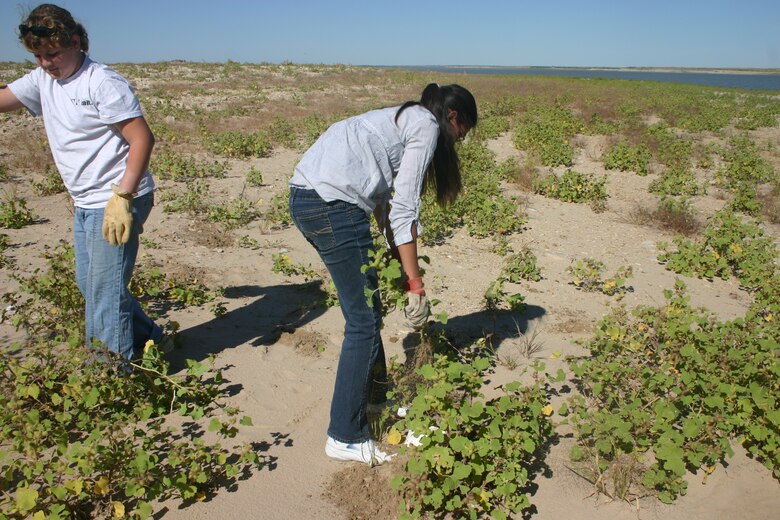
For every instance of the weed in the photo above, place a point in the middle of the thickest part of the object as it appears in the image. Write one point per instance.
(587, 275)
(522, 266)
(730, 246)
(474, 454)
(82, 442)
(625, 157)
(283, 264)
(176, 167)
(233, 214)
(238, 144)
(190, 199)
(14, 213)
(50, 184)
(278, 214)
(573, 187)
(248, 242)
(254, 177)
(665, 391)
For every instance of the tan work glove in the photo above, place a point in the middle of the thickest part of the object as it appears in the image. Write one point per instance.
(417, 309)
(118, 217)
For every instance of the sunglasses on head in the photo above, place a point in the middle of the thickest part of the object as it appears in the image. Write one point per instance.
(41, 31)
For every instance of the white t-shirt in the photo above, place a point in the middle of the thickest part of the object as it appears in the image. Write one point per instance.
(362, 159)
(79, 114)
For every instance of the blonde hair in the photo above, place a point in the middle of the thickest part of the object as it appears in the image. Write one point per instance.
(61, 25)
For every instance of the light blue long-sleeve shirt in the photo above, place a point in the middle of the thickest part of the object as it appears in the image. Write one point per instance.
(365, 159)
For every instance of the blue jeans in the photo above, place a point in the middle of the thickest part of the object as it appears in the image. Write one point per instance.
(341, 234)
(113, 316)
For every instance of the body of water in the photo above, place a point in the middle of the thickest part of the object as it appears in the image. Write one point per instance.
(744, 81)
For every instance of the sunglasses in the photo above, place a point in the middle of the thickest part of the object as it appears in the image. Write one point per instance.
(41, 31)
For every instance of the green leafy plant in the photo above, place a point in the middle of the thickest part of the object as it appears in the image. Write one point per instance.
(730, 246)
(521, 266)
(4, 244)
(390, 277)
(177, 167)
(48, 304)
(572, 187)
(474, 453)
(50, 184)
(546, 130)
(283, 132)
(248, 242)
(233, 214)
(153, 287)
(254, 177)
(677, 181)
(189, 199)
(283, 264)
(238, 144)
(496, 295)
(278, 213)
(665, 391)
(587, 275)
(625, 157)
(80, 439)
(744, 164)
(14, 213)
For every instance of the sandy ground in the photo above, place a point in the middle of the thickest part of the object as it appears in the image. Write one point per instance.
(280, 362)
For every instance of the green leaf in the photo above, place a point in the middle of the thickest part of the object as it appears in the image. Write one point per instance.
(245, 421)
(26, 499)
(33, 391)
(91, 399)
(215, 425)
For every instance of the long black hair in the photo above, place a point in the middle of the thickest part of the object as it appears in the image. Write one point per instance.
(444, 173)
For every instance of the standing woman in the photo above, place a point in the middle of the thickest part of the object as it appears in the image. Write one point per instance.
(379, 162)
(101, 145)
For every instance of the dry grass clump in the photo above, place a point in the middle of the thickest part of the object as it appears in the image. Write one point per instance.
(770, 204)
(670, 214)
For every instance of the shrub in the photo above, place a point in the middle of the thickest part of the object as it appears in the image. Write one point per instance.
(81, 440)
(521, 266)
(587, 275)
(665, 391)
(254, 177)
(233, 214)
(176, 167)
(625, 157)
(238, 144)
(474, 455)
(572, 187)
(729, 246)
(50, 184)
(14, 213)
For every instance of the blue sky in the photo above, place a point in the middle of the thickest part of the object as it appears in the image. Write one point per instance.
(598, 33)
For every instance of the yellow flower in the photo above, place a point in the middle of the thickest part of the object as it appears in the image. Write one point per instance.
(547, 410)
(101, 486)
(394, 436)
(119, 509)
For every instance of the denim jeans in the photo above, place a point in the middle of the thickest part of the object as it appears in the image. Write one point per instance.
(113, 316)
(341, 234)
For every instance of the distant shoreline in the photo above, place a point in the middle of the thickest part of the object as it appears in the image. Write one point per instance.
(693, 70)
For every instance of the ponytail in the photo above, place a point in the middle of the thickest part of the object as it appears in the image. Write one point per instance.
(444, 173)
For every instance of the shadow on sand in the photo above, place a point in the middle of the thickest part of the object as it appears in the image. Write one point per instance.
(274, 310)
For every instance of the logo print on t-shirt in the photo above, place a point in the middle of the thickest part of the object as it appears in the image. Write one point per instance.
(82, 102)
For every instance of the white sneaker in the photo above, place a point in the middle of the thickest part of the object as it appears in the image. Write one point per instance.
(365, 452)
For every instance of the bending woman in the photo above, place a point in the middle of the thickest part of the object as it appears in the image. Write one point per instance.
(379, 162)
